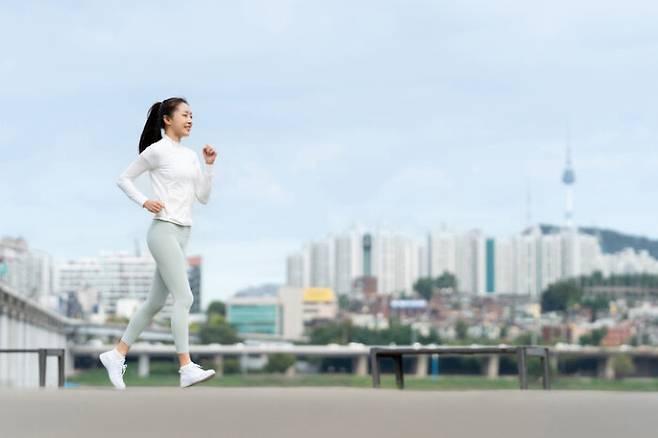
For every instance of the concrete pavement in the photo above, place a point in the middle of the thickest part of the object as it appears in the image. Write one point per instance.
(324, 412)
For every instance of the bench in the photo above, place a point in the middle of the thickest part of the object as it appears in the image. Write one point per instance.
(522, 354)
(43, 355)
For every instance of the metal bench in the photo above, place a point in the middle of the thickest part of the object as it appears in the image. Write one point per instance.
(522, 353)
(43, 355)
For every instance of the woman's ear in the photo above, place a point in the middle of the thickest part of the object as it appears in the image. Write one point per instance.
(167, 120)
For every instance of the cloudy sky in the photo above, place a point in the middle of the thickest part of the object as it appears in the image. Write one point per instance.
(405, 114)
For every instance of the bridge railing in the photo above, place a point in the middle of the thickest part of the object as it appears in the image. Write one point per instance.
(43, 356)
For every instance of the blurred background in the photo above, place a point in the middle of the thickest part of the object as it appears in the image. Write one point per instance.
(388, 172)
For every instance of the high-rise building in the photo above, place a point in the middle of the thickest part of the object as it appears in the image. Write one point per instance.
(501, 266)
(442, 253)
(461, 254)
(470, 262)
(26, 270)
(550, 258)
(115, 275)
(296, 267)
(323, 263)
(121, 275)
(525, 254)
(529, 262)
(339, 260)
(349, 260)
(386, 262)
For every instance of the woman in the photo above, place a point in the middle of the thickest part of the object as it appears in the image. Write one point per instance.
(177, 180)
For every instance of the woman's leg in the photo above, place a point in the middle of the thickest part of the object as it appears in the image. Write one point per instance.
(166, 241)
(154, 302)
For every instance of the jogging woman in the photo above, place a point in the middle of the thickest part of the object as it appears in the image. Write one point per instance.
(177, 179)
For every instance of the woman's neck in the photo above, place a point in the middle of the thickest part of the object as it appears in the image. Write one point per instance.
(173, 136)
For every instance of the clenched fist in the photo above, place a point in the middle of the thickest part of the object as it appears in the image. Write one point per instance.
(209, 154)
(153, 206)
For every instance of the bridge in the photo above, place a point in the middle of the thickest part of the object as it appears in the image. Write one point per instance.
(359, 354)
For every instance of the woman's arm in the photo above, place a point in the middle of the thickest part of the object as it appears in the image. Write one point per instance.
(203, 181)
(126, 180)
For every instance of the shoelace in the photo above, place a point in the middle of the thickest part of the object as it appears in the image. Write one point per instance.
(194, 365)
(123, 369)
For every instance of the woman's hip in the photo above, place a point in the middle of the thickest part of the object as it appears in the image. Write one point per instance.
(160, 230)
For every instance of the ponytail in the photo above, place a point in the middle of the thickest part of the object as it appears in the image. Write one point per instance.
(152, 131)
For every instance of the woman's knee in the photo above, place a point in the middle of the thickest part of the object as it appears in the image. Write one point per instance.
(185, 301)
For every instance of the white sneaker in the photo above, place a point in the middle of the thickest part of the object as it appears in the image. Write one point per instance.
(116, 367)
(192, 374)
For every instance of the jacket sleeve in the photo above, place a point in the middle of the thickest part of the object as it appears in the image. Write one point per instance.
(126, 180)
(202, 181)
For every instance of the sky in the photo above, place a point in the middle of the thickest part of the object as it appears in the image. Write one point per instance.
(411, 115)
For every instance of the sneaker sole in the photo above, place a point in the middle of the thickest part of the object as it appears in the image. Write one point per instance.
(108, 372)
(200, 381)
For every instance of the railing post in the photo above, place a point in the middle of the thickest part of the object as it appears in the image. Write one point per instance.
(493, 366)
(374, 368)
(60, 361)
(360, 365)
(42, 367)
(398, 367)
(523, 369)
(143, 365)
(421, 365)
(218, 363)
(546, 365)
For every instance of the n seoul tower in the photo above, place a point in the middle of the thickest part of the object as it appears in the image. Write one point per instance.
(569, 179)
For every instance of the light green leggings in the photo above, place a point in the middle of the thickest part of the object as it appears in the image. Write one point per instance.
(166, 241)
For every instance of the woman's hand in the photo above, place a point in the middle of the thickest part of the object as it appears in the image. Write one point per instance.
(153, 206)
(209, 154)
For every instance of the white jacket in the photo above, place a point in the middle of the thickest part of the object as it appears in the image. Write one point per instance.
(176, 179)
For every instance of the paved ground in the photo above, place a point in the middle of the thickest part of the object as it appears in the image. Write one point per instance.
(324, 412)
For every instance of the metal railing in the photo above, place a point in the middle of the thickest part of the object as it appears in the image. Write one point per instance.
(43, 355)
(522, 353)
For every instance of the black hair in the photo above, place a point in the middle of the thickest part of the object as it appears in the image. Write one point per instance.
(154, 121)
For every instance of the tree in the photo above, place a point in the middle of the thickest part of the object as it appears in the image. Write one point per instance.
(446, 281)
(425, 288)
(217, 333)
(216, 329)
(596, 305)
(623, 366)
(461, 329)
(343, 302)
(328, 333)
(344, 332)
(561, 296)
(431, 338)
(216, 307)
(279, 363)
(594, 337)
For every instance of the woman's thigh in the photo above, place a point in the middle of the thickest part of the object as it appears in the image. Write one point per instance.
(169, 256)
(157, 296)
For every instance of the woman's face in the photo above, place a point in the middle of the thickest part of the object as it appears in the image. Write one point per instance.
(180, 123)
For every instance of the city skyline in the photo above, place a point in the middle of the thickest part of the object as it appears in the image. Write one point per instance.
(323, 115)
